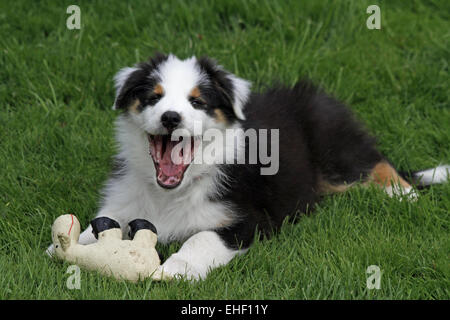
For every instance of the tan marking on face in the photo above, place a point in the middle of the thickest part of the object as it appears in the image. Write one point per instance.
(158, 89)
(134, 106)
(220, 116)
(384, 175)
(195, 92)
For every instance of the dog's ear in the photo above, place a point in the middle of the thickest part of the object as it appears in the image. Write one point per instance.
(130, 80)
(234, 89)
(120, 79)
(127, 81)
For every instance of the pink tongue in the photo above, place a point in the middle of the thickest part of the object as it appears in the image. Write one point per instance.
(166, 164)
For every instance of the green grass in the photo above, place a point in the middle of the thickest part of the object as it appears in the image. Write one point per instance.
(56, 139)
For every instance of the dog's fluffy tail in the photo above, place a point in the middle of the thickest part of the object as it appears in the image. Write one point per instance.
(424, 178)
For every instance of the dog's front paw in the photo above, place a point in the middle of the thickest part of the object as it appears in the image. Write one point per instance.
(177, 267)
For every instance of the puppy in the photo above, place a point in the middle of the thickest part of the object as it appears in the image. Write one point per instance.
(210, 163)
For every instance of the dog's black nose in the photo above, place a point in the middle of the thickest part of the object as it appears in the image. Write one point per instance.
(170, 119)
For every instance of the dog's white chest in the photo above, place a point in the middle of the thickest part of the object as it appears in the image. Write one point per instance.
(179, 217)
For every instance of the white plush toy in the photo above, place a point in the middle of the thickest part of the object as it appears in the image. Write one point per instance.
(131, 260)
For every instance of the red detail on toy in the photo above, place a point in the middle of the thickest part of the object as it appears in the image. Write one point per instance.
(71, 224)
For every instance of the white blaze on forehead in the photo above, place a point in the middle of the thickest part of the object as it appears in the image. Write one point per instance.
(179, 76)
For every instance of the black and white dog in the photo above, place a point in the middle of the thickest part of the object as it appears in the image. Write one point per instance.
(216, 206)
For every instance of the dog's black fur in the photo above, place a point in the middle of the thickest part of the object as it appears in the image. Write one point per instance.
(319, 139)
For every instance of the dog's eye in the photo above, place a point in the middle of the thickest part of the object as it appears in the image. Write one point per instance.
(197, 103)
(152, 100)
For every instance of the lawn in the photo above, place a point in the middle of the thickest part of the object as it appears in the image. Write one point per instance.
(57, 138)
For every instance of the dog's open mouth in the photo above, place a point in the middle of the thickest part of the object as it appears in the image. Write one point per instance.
(171, 158)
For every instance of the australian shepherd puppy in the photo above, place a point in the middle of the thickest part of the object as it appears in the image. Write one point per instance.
(210, 163)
